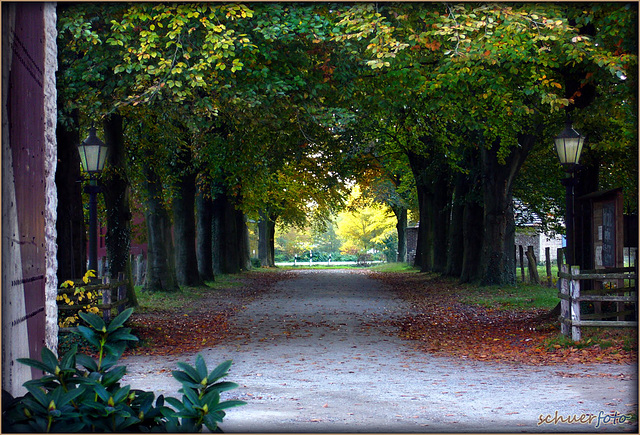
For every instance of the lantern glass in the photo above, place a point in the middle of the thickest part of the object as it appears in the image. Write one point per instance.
(569, 146)
(93, 153)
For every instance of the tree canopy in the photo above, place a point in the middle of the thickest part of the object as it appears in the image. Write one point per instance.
(273, 111)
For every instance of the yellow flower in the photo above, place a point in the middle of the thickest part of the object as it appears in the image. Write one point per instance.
(94, 310)
(67, 322)
(90, 274)
(67, 283)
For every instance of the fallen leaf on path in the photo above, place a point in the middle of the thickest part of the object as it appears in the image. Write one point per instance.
(441, 324)
(203, 325)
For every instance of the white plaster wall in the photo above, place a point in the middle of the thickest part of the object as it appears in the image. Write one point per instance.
(51, 158)
(553, 243)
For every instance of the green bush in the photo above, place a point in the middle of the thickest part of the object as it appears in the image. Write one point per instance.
(81, 394)
(255, 263)
(282, 258)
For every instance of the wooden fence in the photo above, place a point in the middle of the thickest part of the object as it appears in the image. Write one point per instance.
(113, 296)
(532, 276)
(138, 267)
(618, 286)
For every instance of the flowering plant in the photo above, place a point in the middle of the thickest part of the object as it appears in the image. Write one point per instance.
(80, 297)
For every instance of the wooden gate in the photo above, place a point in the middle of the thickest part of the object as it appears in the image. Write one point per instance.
(617, 286)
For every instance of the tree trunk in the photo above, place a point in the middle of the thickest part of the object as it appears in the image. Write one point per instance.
(204, 239)
(401, 229)
(272, 240)
(266, 239)
(455, 252)
(433, 187)
(244, 256)
(472, 241)
(161, 274)
(263, 239)
(225, 251)
(71, 237)
(472, 218)
(230, 237)
(498, 259)
(184, 227)
(116, 198)
(424, 245)
(441, 217)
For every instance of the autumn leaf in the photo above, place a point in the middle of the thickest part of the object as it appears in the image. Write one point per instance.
(443, 325)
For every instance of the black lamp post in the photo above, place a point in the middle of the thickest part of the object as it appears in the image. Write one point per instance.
(93, 156)
(569, 146)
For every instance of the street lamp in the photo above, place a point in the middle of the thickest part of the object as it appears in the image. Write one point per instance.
(569, 146)
(93, 156)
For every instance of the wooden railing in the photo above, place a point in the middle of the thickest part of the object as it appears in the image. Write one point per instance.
(623, 289)
(113, 297)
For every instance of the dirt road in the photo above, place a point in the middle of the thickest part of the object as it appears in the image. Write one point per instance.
(310, 356)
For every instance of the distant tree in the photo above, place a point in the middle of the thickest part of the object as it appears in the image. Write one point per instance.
(364, 227)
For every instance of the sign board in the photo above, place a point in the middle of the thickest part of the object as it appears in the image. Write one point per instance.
(607, 228)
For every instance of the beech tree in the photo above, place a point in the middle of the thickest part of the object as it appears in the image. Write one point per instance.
(363, 227)
(85, 95)
(268, 110)
(499, 67)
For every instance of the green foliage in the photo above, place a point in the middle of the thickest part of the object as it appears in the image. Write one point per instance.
(255, 263)
(604, 338)
(511, 297)
(281, 106)
(81, 394)
(562, 341)
(395, 268)
(201, 397)
(185, 297)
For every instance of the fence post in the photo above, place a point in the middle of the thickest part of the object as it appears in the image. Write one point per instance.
(534, 278)
(564, 303)
(559, 254)
(106, 299)
(141, 270)
(134, 267)
(520, 249)
(122, 291)
(635, 283)
(575, 304)
(547, 262)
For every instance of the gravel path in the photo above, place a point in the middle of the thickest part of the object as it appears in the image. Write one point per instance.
(310, 358)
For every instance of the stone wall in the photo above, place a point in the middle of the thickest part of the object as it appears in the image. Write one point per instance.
(540, 242)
